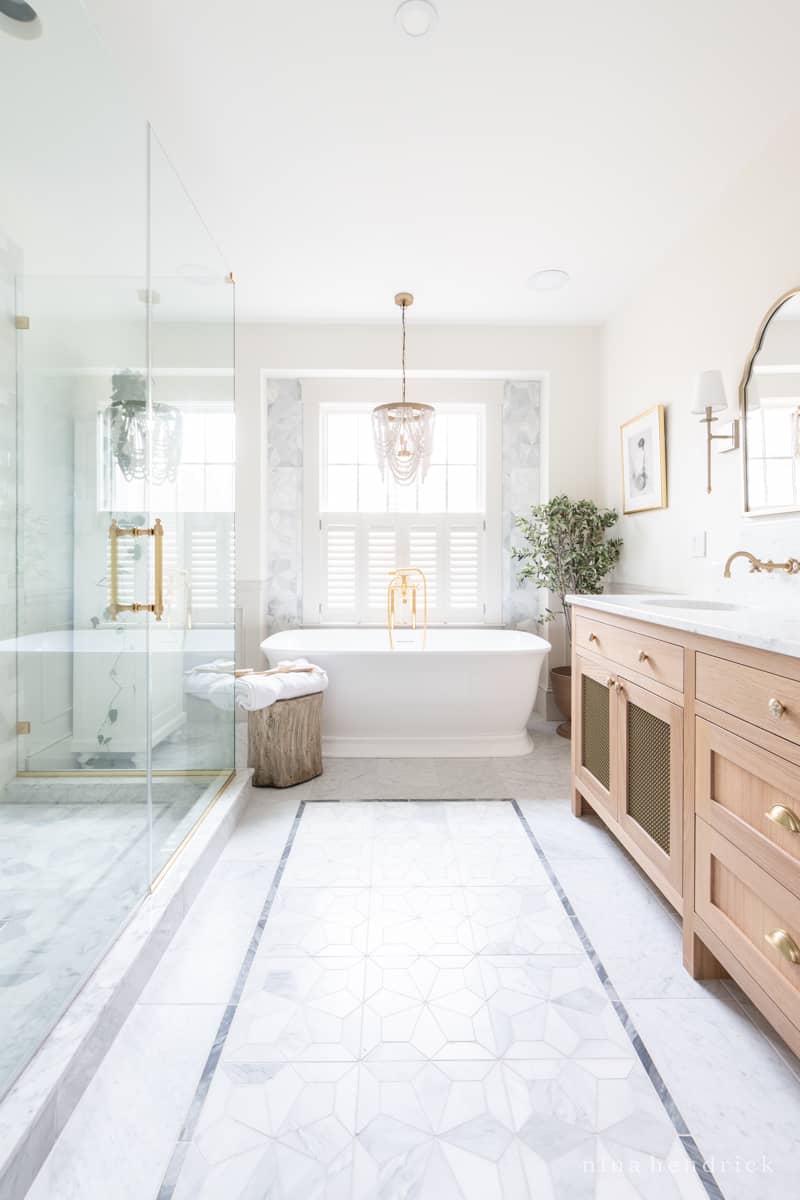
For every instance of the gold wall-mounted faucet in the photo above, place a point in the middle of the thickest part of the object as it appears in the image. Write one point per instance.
(792, 565)
(399, 584)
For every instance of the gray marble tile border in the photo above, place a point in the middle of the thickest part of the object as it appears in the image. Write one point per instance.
(173, 1170)
(172, 1174)
(702, 1169)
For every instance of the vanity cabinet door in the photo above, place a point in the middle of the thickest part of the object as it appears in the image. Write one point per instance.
(650, 777)
(595, 734)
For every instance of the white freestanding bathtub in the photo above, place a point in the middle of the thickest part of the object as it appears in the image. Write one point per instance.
(469, 693)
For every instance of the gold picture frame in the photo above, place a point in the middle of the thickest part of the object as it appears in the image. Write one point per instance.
(643, 449)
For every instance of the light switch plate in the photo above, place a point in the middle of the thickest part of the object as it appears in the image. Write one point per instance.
(699, 544)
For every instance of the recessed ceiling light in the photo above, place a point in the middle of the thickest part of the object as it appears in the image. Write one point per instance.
(550, 280)
(416, 17)
(19, 19)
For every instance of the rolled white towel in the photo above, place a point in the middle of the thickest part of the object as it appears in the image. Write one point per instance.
(292, 680)
(257, 691)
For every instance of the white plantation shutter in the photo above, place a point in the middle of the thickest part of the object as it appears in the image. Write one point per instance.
(339, 572)
(464, 555)
(359, 551)
(210, 558)
(424, 545)
(381, 559)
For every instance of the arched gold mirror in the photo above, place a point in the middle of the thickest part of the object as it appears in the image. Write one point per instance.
(769, 395)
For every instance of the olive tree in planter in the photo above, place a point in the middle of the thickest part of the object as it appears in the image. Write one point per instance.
(566, 551)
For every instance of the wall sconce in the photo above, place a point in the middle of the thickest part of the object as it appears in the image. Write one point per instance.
(709, 397)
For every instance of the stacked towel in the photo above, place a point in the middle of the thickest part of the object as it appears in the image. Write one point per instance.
(254, 691)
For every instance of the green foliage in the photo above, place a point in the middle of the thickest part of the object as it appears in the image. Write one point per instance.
(567, 550)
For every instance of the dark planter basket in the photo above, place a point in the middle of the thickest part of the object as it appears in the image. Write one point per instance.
(561, 680)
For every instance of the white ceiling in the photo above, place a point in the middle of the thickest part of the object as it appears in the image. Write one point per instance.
(337, 160)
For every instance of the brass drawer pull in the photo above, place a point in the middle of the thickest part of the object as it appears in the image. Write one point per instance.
(610, 681)
(618, 686)
(776, 709)
(592, 637)
(784, 817)
(785, 944)
(643, 656)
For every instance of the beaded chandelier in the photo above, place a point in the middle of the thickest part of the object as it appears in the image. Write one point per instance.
(145, 442)
(403, 431)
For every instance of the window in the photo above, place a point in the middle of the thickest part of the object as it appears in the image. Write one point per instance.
(197, 511)
(366, 526)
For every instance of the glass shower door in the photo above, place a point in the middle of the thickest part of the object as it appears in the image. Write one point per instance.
(76, 815)
(191, 359)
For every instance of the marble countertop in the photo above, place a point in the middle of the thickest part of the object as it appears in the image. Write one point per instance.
(764, 628)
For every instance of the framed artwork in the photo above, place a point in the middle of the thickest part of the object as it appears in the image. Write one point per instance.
(644, 462)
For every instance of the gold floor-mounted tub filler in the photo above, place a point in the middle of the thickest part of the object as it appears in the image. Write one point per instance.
(400, 585)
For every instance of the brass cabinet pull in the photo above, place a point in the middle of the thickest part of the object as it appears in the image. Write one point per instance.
(784, 817)
(610, 681)
(776, 709)
(785, 944)
(155, 531)
(643, 656)
(592, 637)
(618, 686)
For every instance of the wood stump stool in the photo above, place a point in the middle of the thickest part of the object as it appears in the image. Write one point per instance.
(285, 742)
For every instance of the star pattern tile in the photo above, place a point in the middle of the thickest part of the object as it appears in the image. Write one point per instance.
(421, 1022)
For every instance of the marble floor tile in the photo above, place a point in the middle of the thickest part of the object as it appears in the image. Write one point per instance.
(284, 1130)
(298, 1009)
(469, 778)
(415, 861)
(420, 1020)
(328, 860)
(203, 960)
(520, 920)
(318, 922)
(515, 1131)
(425, 1007)
(500, 860)
(263, 828)
(119, 1139)
(740, 1100)
(425, 920)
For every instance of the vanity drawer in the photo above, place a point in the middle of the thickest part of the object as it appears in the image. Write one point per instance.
(769, 701)
(743, 905)
(648, 656)
(752, 797)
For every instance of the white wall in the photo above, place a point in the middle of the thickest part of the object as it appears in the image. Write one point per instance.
(700, 310)
(569, 358)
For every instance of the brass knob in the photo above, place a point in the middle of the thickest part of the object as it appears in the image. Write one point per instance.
(592, 637)
(643, 656)
(785, 944)
(610, 681)
(618, 685)
(784, 817)
(776, 709)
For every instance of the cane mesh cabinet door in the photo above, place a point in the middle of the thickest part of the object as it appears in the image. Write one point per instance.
(651, 777)
(595, 734)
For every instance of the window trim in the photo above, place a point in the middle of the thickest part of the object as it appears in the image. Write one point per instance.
(312, 541)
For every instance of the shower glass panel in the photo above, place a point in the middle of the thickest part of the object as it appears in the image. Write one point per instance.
(116, 331)
(191, 493)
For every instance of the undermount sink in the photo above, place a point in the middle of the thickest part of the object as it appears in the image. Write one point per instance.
(688, 603)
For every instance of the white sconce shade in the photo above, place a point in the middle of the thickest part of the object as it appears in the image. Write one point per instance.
(709, 392)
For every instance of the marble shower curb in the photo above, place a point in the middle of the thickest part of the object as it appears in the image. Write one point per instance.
(41, 1101)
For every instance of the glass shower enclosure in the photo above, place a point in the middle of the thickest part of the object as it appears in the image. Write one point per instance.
(117, 523)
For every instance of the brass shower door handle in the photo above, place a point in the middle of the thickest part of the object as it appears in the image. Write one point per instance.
(156, 532)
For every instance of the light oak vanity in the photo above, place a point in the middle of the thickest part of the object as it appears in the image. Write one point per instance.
(688, 747)
(686, 719)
